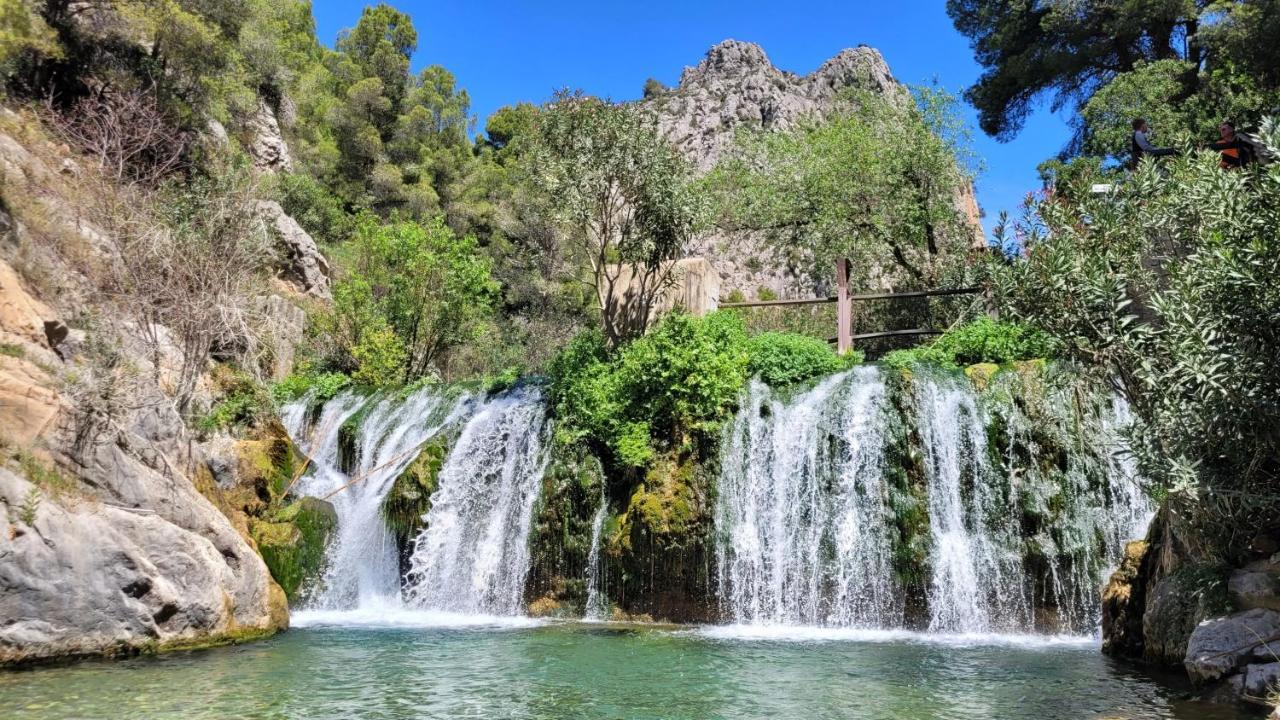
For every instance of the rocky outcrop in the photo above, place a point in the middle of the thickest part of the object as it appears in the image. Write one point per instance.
(736, 87)
(113, 537)
(305, 265)
(266, 143)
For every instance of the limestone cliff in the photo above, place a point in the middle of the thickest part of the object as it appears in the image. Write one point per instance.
(735, 87)
(114, 536)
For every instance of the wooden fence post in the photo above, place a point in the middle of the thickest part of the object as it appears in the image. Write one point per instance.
(844, 310)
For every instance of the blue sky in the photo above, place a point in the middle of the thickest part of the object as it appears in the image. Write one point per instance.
(503, 52)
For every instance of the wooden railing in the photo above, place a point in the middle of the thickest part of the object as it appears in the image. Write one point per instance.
(844, 308)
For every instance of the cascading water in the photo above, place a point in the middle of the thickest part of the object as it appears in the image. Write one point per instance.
(1012, 538)
(361, 567)
(802, 511)
(473, 556)
(596, 604)
(976, 582)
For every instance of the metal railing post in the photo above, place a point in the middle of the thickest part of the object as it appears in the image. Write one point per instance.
(844, 310)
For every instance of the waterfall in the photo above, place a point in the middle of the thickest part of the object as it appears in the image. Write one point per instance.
(801, 512)
(473, 556)
(976, 582)
(596, 604)
(361, 567)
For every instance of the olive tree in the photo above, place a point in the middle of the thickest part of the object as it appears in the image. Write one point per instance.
(622, 200)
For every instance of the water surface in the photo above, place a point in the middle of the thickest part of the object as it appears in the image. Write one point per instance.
(442, 666)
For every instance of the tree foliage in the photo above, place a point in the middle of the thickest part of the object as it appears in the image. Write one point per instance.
(1188, 59)
(621, 199)
(412, 293)
(876, 183)
(1169, 285)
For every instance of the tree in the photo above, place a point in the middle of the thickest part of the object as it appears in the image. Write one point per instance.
(412, 293)
(622, 199)
(1066, 50)
(1168, 286)
(872, 182)
(1196, 60)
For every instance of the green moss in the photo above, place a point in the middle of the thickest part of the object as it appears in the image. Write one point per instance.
(12, 350)
(981, 374)
(292, 542)
(409, 499)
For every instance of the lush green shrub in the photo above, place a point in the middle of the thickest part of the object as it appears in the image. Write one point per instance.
(986, 340)
(413, 293)
(678, 381)
(325, 385)
(982, 341)
(784, 358)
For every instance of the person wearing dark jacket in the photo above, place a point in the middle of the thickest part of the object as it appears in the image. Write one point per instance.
(1140, 145)
(1234, 152)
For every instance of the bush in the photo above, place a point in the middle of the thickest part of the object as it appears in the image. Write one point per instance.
(982, 341)
(324, 385)
(985, 340)
(679, 381)
(414, 292)
(315, 207)
(784, 358)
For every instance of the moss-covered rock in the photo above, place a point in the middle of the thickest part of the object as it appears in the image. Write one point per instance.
(405, 507)
(980, 374)
(560, 538)
(292, 542)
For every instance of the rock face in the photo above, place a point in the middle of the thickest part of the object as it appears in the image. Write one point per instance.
(112, 538)
(1224, 646)
(306, 265)
(267, 145)
(735, 87)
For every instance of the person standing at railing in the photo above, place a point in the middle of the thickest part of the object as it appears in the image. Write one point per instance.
(1234, 151)
(1141, 145)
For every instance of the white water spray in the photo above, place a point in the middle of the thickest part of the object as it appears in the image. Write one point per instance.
(361, 567)
(473, 556)
(802, 513)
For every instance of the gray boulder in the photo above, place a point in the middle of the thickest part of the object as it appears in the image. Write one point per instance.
(305, 263)
(267, 145)
(1251, 589)
(87, 577)
(1261, 680)
(1220, 647)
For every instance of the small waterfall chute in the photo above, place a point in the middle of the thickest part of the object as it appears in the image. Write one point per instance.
(597, 604)
(473, 556)
(801, 513)
(361, 565)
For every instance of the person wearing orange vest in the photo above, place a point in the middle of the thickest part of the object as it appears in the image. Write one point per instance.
(1234, 152)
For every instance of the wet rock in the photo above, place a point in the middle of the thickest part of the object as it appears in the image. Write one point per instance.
(1168, 622)
(1218, 648)
(1123, 601)
(292, 542)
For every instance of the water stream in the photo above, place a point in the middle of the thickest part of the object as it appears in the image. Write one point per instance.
(473, 555)
(597, 605)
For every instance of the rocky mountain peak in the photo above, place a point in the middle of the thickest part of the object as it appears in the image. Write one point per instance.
(728, 59)
(735, 85)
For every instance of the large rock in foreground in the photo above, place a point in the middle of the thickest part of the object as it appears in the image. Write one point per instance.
(1221, 647)
(80, 577)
